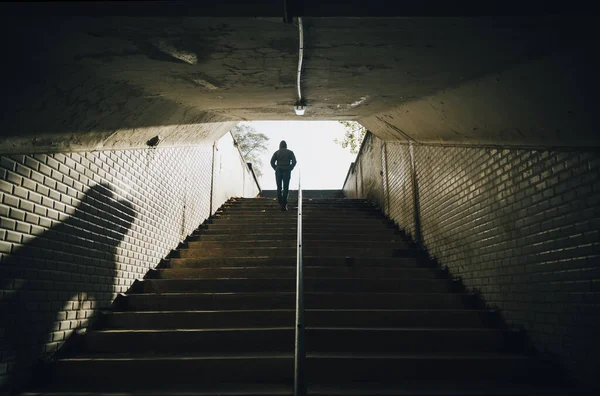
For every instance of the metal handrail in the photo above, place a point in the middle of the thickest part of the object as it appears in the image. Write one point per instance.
(299, 350)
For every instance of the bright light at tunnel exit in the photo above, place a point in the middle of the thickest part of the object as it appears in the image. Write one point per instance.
(323, 163)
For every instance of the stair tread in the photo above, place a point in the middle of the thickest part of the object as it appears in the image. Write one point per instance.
(174, 356)
(279, 278)
(429, 388)
(199, 330)
(412, 388)
(293, 231)
(293, 247)
(321, 241)
(432, 387)
(287, 355)
(386, 310)
(271, 293)
(222, 389)
(326, 328)
(310, 256)
(293, 256)
(175, 390)
(293, 267)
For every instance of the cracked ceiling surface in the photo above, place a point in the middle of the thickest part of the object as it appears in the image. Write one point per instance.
(115, 82)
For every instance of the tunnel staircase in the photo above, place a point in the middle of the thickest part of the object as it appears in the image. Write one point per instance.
(217, 317)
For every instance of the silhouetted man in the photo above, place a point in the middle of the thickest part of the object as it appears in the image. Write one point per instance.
(283, 162)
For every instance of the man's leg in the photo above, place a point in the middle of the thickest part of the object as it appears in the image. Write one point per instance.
(286, 187)
(278, 180)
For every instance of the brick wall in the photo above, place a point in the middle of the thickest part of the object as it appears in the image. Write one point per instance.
(78, 228)
(399, 186)
(520, 226)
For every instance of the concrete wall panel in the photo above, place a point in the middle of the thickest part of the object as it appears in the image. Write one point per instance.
(371, 173)
(231, 173)
(350, 190)
(365, 177)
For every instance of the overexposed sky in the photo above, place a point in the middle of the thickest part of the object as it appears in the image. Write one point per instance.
(323, 163)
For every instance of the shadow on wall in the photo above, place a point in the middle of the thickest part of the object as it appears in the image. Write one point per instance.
(55, 283)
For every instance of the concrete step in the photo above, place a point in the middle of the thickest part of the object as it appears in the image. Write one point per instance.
(422, 388)
(248, 285)
(292, 197)
(306, 207)
(307, 225)
(280, 252)
(139, 320)
(318, 226)
(434, 387)
(293, 229)
(306, 212)
(468, 387)
(385, 235)
(327, 194)
(329, 261)
(306, 203)
(315, 209)
(262, 200)
(135, 371)
(339, 339)
(151, 371)
(287, 300)
(173, 389)
(254, 228)
(290, 272)
(275, 209)
(205, 235)
(366, 221)
(292, 243)
(428, 387)
(400, 368)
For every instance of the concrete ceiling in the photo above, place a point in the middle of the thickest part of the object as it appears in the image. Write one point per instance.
(81, 83)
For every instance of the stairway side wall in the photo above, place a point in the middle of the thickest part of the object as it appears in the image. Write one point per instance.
(364, 177)
(78, 228)
(520, 226)
(231, 175)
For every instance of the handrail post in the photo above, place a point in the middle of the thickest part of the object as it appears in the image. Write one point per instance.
(299, 351)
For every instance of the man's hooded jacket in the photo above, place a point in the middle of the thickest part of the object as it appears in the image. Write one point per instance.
(283, 159)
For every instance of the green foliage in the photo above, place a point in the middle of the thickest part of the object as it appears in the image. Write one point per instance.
(354, 133)
(251, 143)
